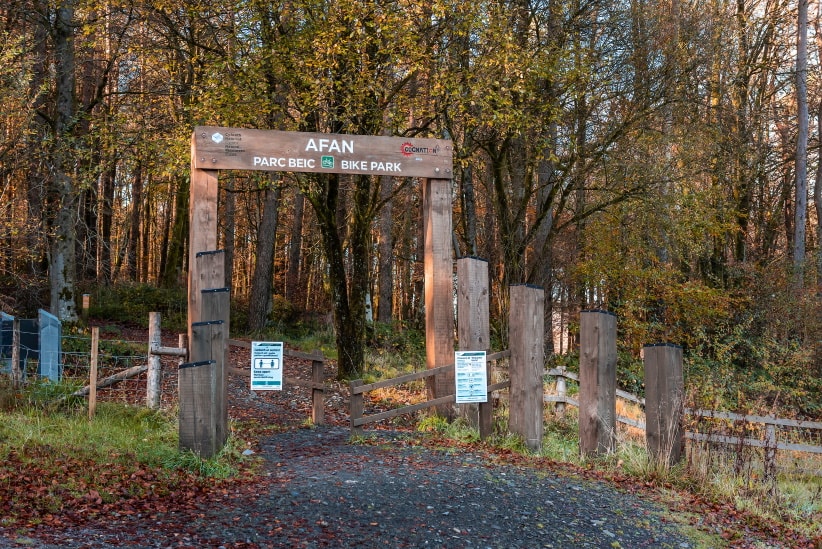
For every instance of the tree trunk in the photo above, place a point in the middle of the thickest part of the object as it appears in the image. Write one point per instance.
(260, 297)
(385, 305)
(817, 199)
(106, 215)
(292, 278)
(175, 262)
(801, 200)
(469, 209)
(349, 308)
(134, 231)
(63, 271)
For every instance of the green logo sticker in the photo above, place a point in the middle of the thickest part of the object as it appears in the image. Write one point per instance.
(327, 162)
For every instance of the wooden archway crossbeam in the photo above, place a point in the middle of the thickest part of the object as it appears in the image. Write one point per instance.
(216, 148)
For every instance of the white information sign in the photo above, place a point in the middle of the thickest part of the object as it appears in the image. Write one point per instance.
(266, 366)
(471, 376)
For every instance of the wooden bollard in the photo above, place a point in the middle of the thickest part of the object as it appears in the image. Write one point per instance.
(663, 401)
(597, 382)
(526, 331)
(196, 427)
(355, 406)
(317, 393)
(155, 374)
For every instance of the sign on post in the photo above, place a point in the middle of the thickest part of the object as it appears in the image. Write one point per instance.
(266, 366)
(216, 148)
(471, 376)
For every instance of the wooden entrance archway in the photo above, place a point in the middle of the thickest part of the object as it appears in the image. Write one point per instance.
(203, 409)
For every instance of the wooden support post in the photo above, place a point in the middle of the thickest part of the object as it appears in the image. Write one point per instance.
(17, 372)
(199, 393)
(207, 272)
(196, 420)
(439, 288)
(473, 326)
(92, 383)
(155, 373)
(485, 412)
(86, 305)
(317, 393)
(526, 333)
(356, 406)
(216, 304)
(664, 402)
(202, 234)
(597, 382)
(562, 391)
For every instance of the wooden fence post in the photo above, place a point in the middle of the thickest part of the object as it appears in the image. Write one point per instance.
(216, 305)
(154, 374)
(17, 373)
(196, 420)
(317, 393)
(664, 401)
(356, 406)
(526, 333)
(92, 383)
(439, 288)
(597, 382)
(562, 392)
(473, 326)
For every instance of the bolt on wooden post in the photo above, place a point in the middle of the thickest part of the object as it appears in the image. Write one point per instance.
(664, 404)
(526, 332)
(597, 382)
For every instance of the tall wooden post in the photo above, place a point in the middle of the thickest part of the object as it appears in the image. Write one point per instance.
(92, 376)
(154, 372)
(202, 232)
(664, 401)
(18, 373)
(597, 382)
(317, 393)
(439, 284)
(526, 333)
(473, 326)
(216, 306)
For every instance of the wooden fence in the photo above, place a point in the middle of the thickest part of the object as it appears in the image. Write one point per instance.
(316, 383)
(358, 389)
(561, 399)
(770, 439)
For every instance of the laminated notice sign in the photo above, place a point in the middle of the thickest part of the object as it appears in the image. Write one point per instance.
(266, 366)
(471, 376)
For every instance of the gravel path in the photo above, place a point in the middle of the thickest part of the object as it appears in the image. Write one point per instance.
(392, 494)
(319, 490)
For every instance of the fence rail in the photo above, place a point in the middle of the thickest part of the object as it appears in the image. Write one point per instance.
(769, 441)
(358, 389)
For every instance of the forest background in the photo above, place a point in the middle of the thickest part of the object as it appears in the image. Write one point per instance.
(658, 159)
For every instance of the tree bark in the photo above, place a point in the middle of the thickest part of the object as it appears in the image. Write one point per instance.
(170, 277)
(63, 265)
(801, 162)
(134, 230)
(260, 297)
(292, 278)
(106, 216)
(385, 305)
